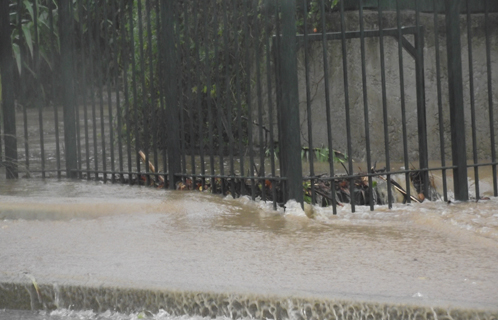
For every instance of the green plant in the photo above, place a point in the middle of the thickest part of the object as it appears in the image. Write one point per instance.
(25, 35)
(322, 155)
(307, 191)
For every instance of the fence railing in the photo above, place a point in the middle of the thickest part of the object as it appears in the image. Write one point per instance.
(321, 101)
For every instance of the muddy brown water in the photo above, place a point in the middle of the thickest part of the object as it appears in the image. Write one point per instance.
(91, 235)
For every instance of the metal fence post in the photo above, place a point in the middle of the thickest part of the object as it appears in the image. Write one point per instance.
(170, 82)
(421, 109)
(290, 138)
(68, 95)
(7, 89)
(455, 86)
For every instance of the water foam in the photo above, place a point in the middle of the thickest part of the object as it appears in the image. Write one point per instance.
(124, 304)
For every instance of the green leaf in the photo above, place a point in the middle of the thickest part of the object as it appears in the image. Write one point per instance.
(307, 199)
(44, 56)
(17, 55)
(27, 35)
(29, 7)
(340, 157)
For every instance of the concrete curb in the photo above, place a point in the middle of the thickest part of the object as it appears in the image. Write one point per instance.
(25, 296)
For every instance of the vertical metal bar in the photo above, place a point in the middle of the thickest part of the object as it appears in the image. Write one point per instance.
(421, 112)
(8, 100)
(162, 103)
(472, 99)
(77, 92)
(152, 85)
(125, 53)
(239, 105)
(68, 89)
(384, 104)
(53, 50)
(290, 105)
(209, 106)
(108, 75)
(134, 86)
(268, 27)
(182, 89)
(308, 102)
(144, 139)
(22, 87)
(227, 98)
(258, 52)
(327, 105)
(200, 120)
(439, 99)
(117, 88)
(172, 107)
(403, 103)
(92, 96)
(365, 104)
(278, 91)
(219, 111)
(144, 108)
(190, 106)
(490, 96)
(84, 90)
(38, 90)
(248, 98)
(101, 66)
(26, 134)
(346, 105)
(455, 86)
(1, 137)
(160, 98)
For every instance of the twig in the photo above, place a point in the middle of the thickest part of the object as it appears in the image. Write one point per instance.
(323, 194)
(400, 189)
(151, 166)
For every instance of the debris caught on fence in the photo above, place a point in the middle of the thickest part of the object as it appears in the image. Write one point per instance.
(151, 168)
(317, 190)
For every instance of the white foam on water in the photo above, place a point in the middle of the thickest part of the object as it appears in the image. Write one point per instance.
(68, 314)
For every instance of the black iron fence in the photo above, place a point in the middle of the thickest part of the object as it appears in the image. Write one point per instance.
(322, 101)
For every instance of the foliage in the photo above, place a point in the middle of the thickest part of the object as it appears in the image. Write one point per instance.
(25, 35)
(217, 42)
(36, 44)
(214, 41)
(314, 11)
(323, 155)
(31, 37)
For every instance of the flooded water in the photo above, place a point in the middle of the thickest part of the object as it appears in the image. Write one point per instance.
(92, 235)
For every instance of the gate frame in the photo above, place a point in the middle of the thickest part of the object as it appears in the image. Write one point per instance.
(415, 51)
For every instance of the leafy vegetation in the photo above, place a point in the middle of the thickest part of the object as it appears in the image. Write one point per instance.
(116, 44)
(218, 45)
